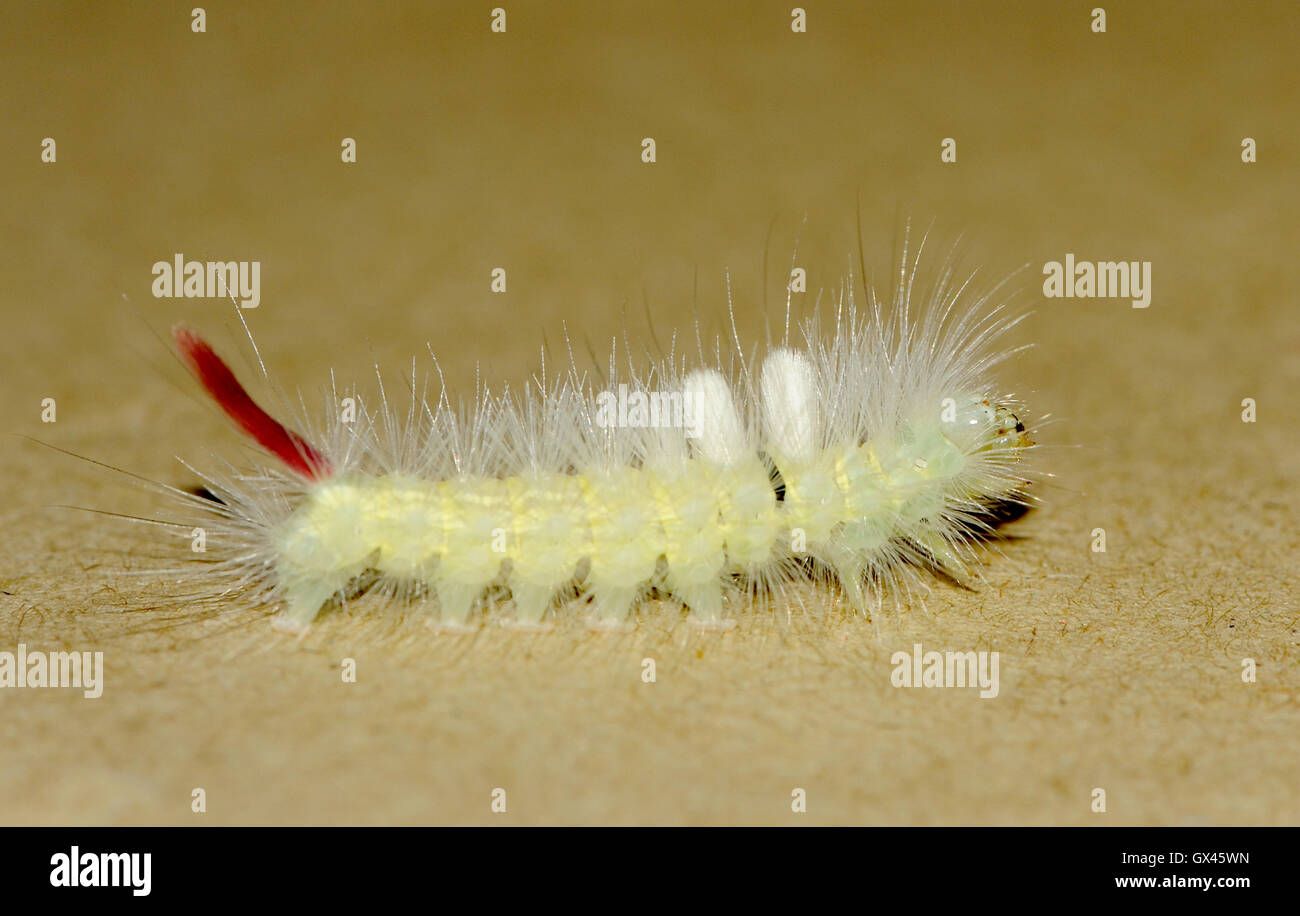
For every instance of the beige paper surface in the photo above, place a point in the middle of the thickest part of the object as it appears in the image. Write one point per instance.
(1120, 671)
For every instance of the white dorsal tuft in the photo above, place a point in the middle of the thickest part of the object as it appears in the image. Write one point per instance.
(711, 412)
(789, 393)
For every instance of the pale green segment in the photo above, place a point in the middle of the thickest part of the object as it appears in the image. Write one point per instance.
(704, 520)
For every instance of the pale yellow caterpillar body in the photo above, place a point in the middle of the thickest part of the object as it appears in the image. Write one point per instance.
(860, 455)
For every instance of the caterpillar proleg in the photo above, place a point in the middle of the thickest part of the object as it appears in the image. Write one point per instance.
(861, 454)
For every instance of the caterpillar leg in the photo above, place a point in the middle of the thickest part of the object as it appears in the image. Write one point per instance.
(611, 605)
(850, 574)
(946, 558)
(456, 601)
(849, 571)
(531, 603)
(705, 604)
(303, 602)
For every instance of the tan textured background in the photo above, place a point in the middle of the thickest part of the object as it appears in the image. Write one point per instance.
(1118, 670)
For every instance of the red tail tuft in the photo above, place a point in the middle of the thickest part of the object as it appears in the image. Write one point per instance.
(220, 383)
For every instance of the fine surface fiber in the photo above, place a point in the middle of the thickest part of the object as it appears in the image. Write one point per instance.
(1119, 670)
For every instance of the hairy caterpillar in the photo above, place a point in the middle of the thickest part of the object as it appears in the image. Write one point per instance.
(859, 455)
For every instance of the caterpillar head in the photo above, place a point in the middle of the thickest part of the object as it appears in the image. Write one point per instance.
(980, 425)
(1009, 433)
(984, 427)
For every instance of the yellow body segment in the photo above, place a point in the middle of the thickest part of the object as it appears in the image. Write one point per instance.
(537, 533)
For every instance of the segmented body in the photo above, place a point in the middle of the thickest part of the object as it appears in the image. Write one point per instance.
(882, 448)
(612, 528)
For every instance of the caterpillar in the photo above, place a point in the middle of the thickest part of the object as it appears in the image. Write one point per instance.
(859, 454)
